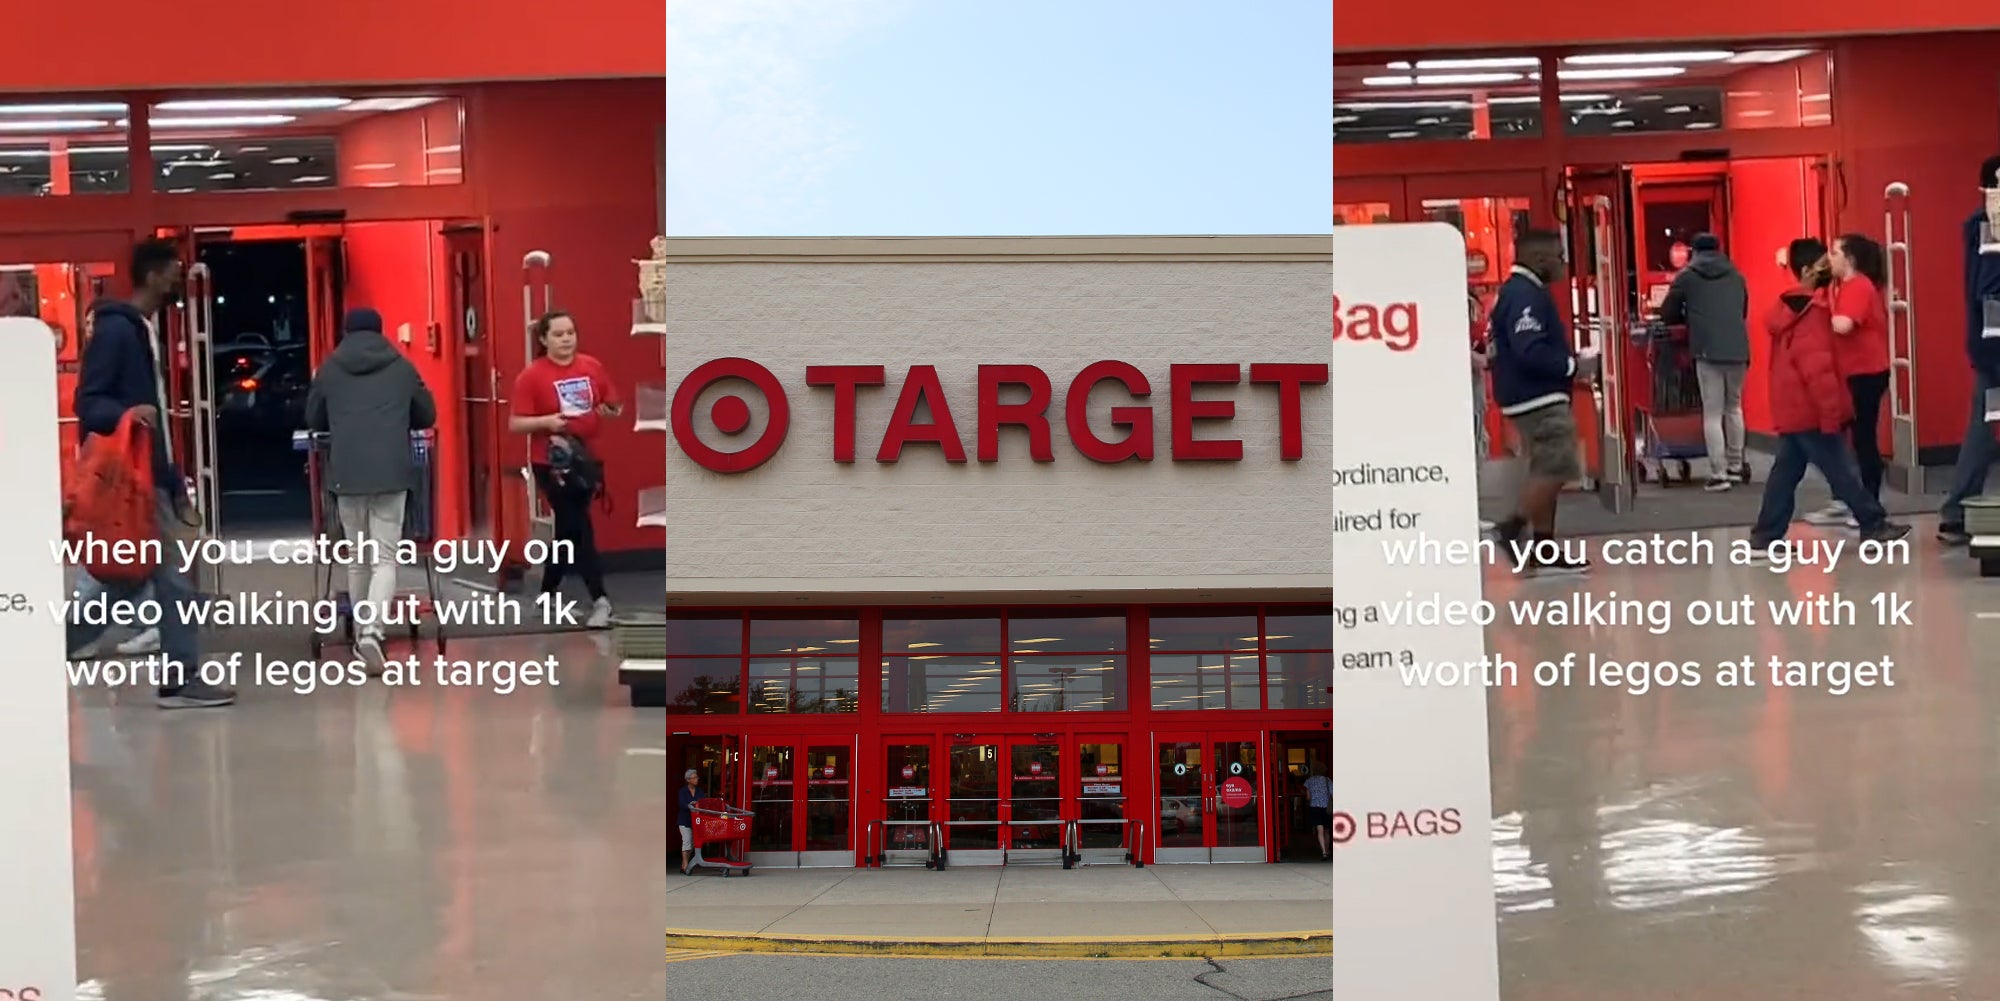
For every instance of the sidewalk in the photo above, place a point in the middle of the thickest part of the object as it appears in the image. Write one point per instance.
(1095, 911)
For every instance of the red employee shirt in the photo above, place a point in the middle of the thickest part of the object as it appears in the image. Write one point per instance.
(1865, 349)
(574, 390)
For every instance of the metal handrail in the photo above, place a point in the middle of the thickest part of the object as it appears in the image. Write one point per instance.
(933, 840)
(1132, 837)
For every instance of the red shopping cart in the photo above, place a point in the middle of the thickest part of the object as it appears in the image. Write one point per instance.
(1668, 407)
(419, 526)
(718, 823)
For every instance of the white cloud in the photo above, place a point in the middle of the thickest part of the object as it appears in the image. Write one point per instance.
(749, 136)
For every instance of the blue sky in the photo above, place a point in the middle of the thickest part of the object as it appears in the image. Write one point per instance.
(997, 117)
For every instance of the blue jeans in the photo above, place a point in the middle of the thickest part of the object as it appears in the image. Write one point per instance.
(1827, 452)
(179, 638)
(1975, 455)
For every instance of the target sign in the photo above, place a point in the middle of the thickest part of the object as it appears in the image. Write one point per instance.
(731, 415)
(1343, 828)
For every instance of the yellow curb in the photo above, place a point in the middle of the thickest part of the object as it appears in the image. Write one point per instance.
(1303, 943)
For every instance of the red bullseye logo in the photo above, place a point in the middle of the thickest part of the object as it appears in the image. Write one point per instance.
(1343, 828)
(731, 415)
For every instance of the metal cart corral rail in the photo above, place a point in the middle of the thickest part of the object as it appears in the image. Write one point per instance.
(1132, 834)
(904, 843)
(419, 526)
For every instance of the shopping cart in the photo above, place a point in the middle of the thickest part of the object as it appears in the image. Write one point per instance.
(1669, 408)
(419, 526)
(718, 823)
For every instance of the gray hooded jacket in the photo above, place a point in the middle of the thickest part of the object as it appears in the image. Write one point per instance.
(369, 397)
(1710, 296)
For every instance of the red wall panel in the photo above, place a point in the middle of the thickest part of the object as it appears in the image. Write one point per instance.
(1385, 26)
(594, 208)
(247, 43)
(1923, 111)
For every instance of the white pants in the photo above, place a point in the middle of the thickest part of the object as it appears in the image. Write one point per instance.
(377, 517)
(687, 839)
(1722, 414)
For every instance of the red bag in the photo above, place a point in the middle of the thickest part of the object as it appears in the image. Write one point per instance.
(110, 500)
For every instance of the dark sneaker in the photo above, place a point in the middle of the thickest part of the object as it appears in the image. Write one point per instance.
(1887, 531)
(1509, 531)
(1763, 551)
(1561, 566)
(1953, 533)
(1741, 474)
(1717, 484)
(195, 696)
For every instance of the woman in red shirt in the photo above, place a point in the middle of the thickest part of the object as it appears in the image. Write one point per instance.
(566, 393)
(1861, 350)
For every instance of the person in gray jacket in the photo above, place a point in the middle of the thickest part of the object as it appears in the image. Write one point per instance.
(1711, 297)
(368, 397)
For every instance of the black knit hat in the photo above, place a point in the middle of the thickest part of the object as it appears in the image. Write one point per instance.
(362, 318)
(1707, 242)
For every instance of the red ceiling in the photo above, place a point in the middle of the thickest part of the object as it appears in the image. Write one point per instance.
(122, 44)
(1387, 26)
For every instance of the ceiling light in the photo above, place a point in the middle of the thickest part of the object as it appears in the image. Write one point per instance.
(121, 149)
(1480, 63)
(1770, 55)
(220, 121)
(56, 125)
(62, 109)
(256, 104)
(1643, 58)
(1699, 125)
(1337, 120)
(390, 103)
(1536, 99)
(285, 160)
(1680, 109)
(1622, 73)
(453, 148)
(1398, 105)
(222, 177)
(1402, 135)
(1439, 79)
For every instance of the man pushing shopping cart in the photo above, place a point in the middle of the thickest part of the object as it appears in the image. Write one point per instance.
(704, 821)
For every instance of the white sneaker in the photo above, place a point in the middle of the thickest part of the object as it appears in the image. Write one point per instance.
(370, 650)
(1832, 516)
(600, 614)
(144, 643)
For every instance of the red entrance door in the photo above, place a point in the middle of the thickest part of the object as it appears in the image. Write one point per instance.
(1211, 797)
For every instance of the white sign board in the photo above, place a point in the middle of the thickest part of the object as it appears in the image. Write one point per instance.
(38, 926)
(1413, 911)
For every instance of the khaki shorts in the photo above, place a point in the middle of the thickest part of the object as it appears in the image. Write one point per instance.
(1548, 441)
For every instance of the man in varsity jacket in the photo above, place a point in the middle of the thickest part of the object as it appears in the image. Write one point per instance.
(1534, 369)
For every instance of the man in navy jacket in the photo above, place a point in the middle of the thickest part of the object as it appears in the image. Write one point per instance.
(122, 373)
(1534, 369)
(1975, 451)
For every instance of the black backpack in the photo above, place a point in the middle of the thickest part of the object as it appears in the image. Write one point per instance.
(574, 468)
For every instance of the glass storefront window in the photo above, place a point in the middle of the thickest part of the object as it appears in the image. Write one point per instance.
(804, 684)
(1099, 634)
(1203, 632)
(1205, 681)
(919, 635)
(53, 148)
(1298, 632)
(1362, 213)
(1069, 684)
(1695, 89)
(817, 636)
(1472, 97)
(238, 142)
(710, 637)
(703, 686)
(941, 683)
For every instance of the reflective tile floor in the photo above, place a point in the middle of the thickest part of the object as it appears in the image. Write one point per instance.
(373, 844)
(1756, 844)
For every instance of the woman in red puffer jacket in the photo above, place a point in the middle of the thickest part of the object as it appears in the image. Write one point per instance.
(1811, 407)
